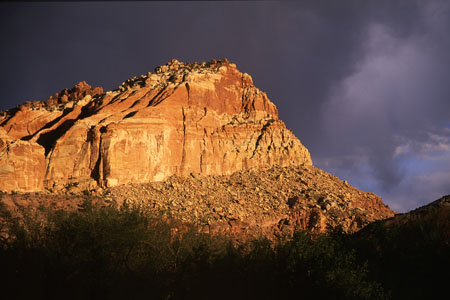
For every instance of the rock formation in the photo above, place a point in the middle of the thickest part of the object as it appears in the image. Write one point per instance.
(269, 201)
(195, 142)
(432, 219)
(246, 203)
(206, 118)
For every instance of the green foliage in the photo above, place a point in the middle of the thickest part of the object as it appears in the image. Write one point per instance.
(128, 253)
(329, 265)
(411, 260)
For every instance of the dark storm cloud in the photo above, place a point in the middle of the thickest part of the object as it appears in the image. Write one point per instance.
(52, 46)
(399, 90)
(355, 80)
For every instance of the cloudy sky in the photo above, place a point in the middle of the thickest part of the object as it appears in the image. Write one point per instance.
(365, 85)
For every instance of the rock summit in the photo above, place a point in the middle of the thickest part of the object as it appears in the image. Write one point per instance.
(206, 119)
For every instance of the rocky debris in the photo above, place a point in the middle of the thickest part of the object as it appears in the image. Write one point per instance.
(267, 201)
(178, 72)
(26, 119)
(79, 92)
(247, 203)
(204, 118)
(64, 99)
(198, 143)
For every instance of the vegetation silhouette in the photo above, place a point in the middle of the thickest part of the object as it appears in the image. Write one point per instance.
(129, 253)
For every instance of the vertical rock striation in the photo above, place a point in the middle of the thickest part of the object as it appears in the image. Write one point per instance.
(206, 118)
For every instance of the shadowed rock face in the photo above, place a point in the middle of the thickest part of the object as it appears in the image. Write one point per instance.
(204, 118)
(431, 220)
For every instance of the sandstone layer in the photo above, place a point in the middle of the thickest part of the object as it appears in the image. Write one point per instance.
(206, 118)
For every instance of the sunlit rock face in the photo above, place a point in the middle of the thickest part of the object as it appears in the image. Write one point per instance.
(22, 164)
(206, 118)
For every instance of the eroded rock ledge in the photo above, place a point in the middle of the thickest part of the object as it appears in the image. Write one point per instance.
(206, 118)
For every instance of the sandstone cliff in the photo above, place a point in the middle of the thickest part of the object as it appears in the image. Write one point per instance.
(206, 118)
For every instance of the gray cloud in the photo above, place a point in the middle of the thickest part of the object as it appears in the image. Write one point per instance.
(399, 90)
(355, 80)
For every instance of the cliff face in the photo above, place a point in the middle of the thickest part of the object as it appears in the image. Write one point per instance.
(204, 118)
(22, 164)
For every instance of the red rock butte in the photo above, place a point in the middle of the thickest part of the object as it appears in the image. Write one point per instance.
(206, 118)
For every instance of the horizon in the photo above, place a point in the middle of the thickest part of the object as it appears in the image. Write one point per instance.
(364, 86)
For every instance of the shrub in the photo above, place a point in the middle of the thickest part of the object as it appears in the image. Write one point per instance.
(116, 253)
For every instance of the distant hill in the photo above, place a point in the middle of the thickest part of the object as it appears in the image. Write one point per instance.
(410, 253)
